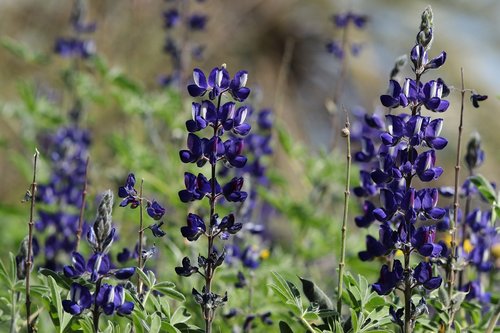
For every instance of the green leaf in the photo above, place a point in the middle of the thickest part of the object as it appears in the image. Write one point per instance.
(354, 321)
(181, 315)
(59, 278)
(13, 268)
(5, 276)
(315, 294)
(170, 292)
(457, 299)
(484, 187)
(54, 305)
(310, 316)
(374, 301)
(144, 278)
(284, 328)
(155, 324)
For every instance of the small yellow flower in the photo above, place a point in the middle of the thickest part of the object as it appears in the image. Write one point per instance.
(495, 250)
(264, 254)
(468, 247)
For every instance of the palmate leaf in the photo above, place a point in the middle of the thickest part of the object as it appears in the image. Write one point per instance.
(288, 293)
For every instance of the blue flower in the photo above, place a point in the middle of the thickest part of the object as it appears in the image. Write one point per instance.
(197, 21)
(389, 279)
(476, 98)
(186, 269)
(196, 187)
(423, 275)
(171, 18)
(155, 229)
(80, 299)
(395, 96)
(129, 193)
(232, 190)
(195, 227)
(155, 210)
(237, 86)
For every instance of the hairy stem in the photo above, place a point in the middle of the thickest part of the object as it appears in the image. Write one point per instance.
(29, 262)
(82, 207)
(346, 133)
(140, 264)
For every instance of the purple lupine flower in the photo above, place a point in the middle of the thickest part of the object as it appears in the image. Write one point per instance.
(367, 150)
(367, 187)
(476, 291)
(199, 112)
(390, 202)
(335, 48)
(186, 269)
(387, 172)
(80, 299)
(368, 218)
(156, 229)
(395, 130)
(395, 96)
(427, 201)
(227, 224)
(112, 299)
(389, 279)
(78, 268)
(171, 18)
(219, 80)
(424, 166)
(155, 210)
(195, 149)
(124, 273)
(98, 265)
(476, 98)
(423, 241)
(432, 96)
(197, 21)
(196, 187)
(237, 86)
(431, 136)
(233, 148)
(232, 190)
(72, 47)
(129, 193)
(474, 156)
(200, 85)
(423, 275)
(195, 227)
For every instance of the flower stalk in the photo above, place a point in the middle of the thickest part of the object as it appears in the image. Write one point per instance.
(29, 257)
(345, 133)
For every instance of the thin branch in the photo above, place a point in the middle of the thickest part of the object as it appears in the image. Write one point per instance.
(346, 133)
(29, 262)
(454, 221)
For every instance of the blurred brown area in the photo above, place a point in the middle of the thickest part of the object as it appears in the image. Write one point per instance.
(254, 34)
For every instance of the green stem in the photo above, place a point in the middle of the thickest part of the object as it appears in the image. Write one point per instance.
(493, 320)
(306, 324)
(13, 312)
(29, 262)
(346, 133)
